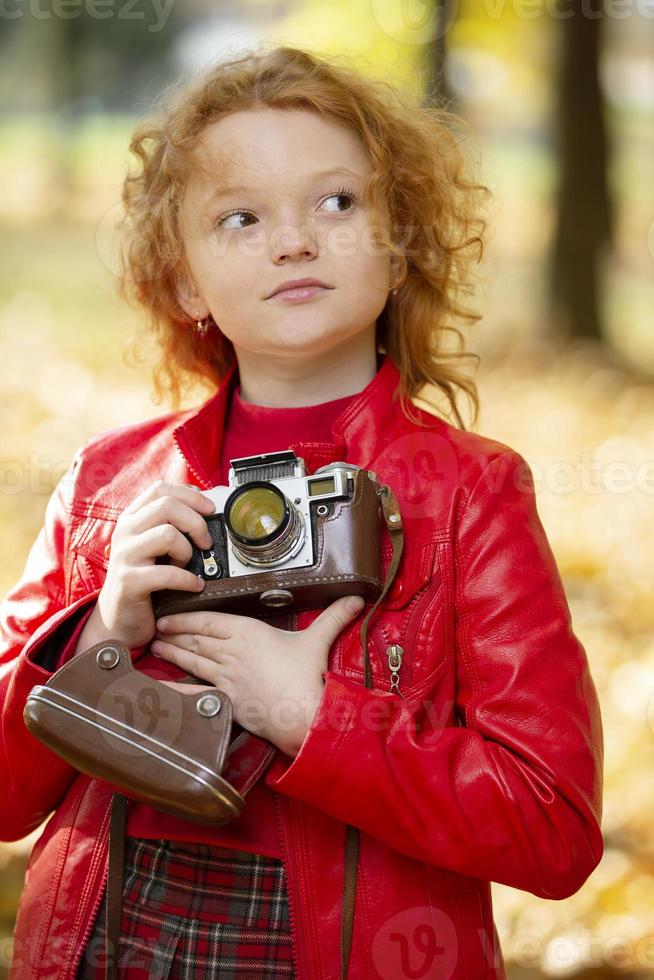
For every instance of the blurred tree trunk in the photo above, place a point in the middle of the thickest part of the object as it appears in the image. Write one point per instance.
(583, 206)
(437, 90)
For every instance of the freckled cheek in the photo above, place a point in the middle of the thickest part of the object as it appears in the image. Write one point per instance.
(374, 275)
(235, 301)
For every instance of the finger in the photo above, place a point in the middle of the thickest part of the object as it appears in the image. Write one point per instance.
(164, 539)
(205, 646)
(222, 626)
(336, 617)
(187, 688)
(144, 580)
(190, 495)
(169, 510)
(192, 663)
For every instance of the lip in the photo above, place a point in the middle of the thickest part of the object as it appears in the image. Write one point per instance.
(292, 296)
(297, 285)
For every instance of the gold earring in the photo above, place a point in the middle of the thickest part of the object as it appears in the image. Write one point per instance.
(202, 327)
(394, 290)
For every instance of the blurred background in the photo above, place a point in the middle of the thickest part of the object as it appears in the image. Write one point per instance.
(560, 98)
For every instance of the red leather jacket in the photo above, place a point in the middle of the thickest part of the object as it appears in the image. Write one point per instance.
(486, 767)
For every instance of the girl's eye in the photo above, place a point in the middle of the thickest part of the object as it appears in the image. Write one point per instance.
(343, 192)
(232, 214)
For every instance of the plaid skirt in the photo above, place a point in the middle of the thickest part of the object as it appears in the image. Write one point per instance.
(196, 910)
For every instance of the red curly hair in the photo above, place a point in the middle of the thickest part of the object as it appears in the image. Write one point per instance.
(418, 179)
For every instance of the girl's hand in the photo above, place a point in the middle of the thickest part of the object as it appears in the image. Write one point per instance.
(272, 676)
(150, 527)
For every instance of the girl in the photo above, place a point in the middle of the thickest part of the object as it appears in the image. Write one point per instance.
(300, 237)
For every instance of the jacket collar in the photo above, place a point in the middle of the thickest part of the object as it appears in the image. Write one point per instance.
(356, 431)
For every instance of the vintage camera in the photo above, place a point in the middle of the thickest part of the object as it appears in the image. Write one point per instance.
(286, 541)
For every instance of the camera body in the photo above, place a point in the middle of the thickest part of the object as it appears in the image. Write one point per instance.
(285, 540)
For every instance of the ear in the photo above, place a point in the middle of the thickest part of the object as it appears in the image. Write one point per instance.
(190, 300)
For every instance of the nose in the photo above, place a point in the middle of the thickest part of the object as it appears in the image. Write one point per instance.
(293, 240)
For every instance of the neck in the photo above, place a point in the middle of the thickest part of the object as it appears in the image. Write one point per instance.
(300, 380)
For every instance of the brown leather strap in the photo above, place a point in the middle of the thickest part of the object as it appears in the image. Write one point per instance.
(393, 520)
(114, 884)
(349, 888)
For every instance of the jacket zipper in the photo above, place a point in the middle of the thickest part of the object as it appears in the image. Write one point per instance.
(394, 652)
(201, 481)
(395, 655)
(81, 945)
(291, 909)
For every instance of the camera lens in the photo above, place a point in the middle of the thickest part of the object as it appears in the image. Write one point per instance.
(265, 528)
(256, 513)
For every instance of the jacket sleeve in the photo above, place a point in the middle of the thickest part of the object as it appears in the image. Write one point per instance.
(35, 623)
(513, 794)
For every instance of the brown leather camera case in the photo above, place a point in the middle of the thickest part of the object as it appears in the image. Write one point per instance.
(347, 562)
(157, 744)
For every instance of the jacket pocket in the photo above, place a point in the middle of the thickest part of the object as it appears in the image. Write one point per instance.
(90, 545)
(410, 616)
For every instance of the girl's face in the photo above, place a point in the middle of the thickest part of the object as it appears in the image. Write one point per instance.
(275, 201)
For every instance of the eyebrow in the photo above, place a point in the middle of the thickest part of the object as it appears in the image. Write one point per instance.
(225, 189)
